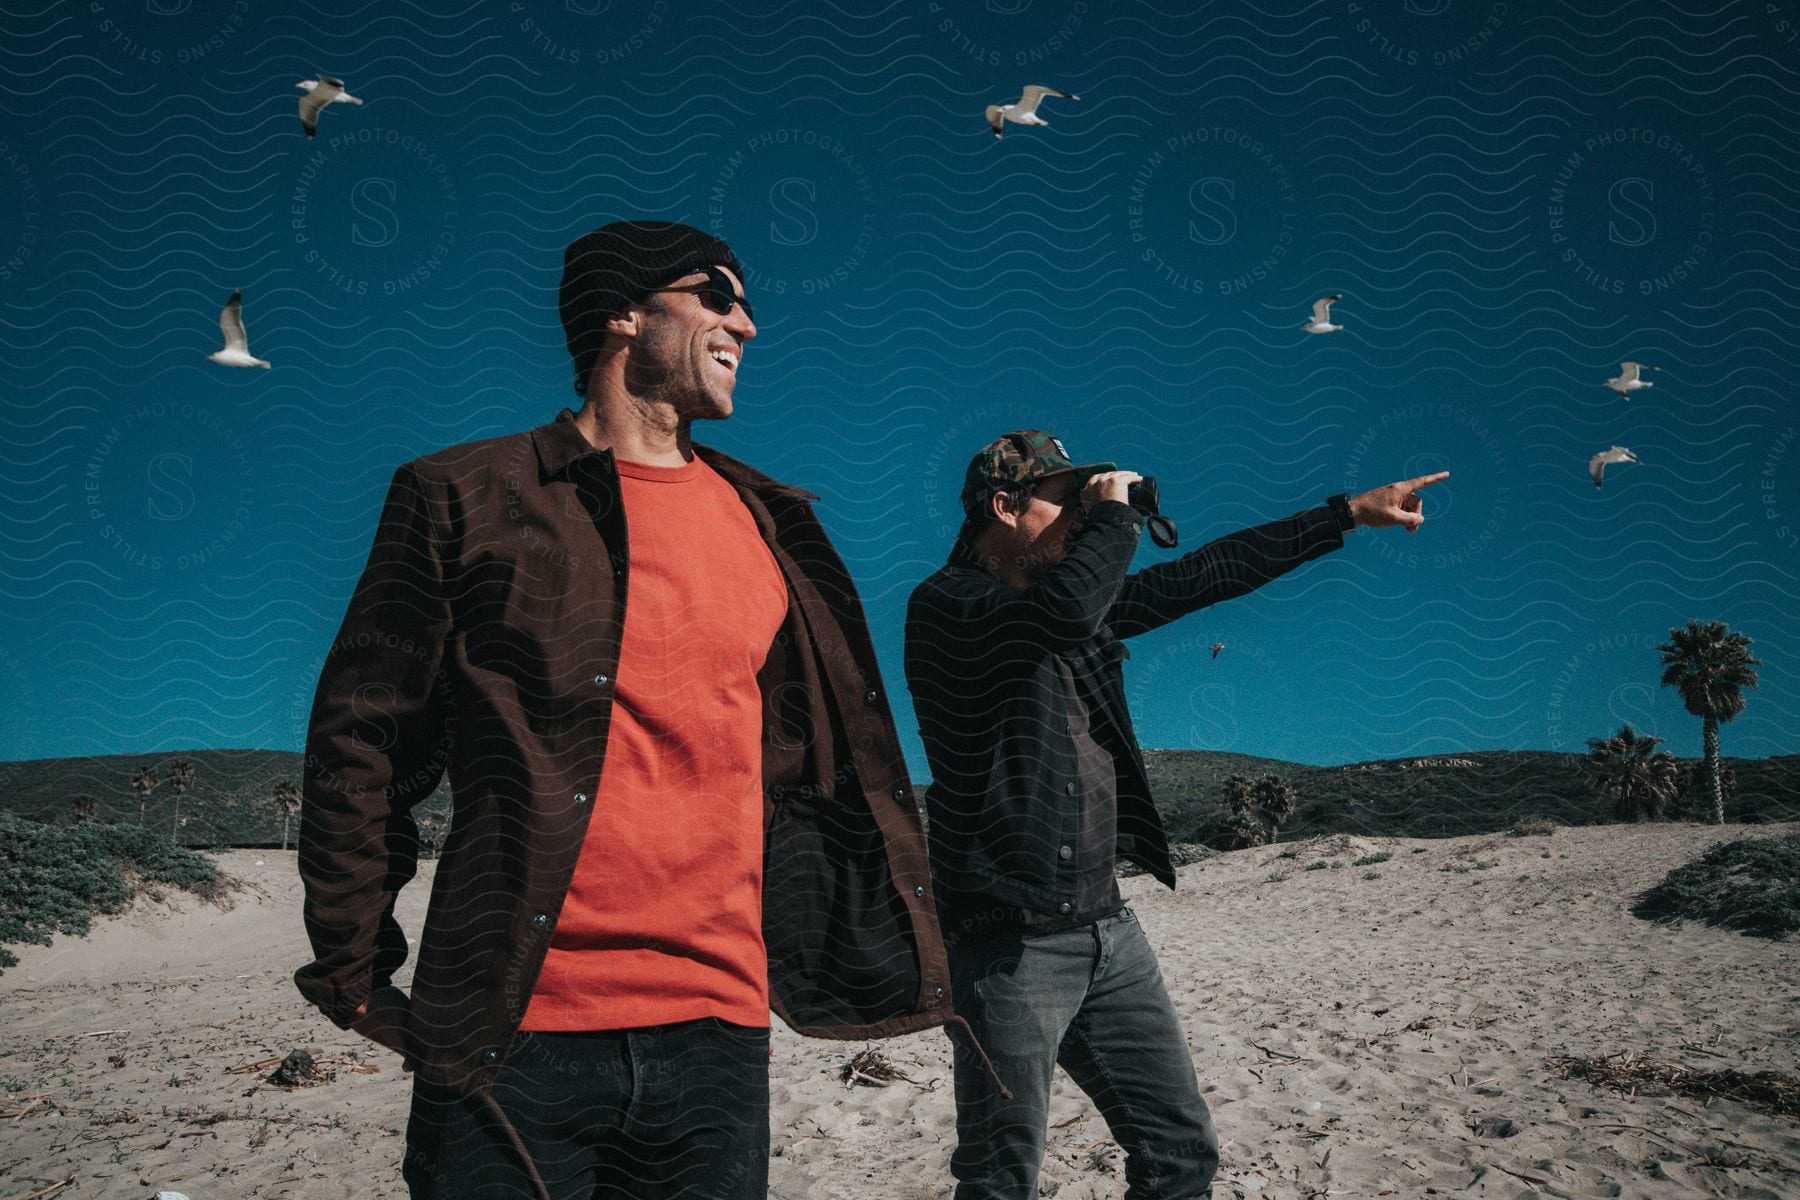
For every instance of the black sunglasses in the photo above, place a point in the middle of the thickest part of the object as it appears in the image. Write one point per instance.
(716, 293)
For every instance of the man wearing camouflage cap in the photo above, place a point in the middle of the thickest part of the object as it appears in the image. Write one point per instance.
(639, 662)
(1013, 654)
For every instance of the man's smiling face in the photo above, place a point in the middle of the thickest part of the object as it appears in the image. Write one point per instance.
(688, 354)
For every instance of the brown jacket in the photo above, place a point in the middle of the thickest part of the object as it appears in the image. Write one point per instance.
(482, 640)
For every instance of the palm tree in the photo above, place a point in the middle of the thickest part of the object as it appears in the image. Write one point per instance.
(143, 782)
(181, 778)
(85, 808)
(1712, 665)
(1639, 778)
(1274, 800)
(287, 796)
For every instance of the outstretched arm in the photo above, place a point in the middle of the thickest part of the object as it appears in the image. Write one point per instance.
(1241, 562)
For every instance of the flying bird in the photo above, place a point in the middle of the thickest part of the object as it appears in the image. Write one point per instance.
(1321, 316)
(1023, 111)
(320, 92)
(1216, 647)
(237, 346)
(1628, 381)
(1614, 454)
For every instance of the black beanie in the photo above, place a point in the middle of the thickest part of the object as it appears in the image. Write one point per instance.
(617, 264)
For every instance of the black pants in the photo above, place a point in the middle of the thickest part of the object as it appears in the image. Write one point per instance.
(635, 1114)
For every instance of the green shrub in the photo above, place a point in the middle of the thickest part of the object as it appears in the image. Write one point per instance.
(1320, 865)
(1752, 886)
(1369, 860)
(1534, 827)
(53, 879)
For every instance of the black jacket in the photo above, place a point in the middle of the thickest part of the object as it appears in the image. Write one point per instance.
(993, 711)
(481, 642)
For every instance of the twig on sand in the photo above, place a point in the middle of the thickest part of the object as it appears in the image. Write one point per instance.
(872, 1068)
(1279, 1056)
(1628, 1071)
(37, 1102)
(96, 1033)
(55, 1187)
(1531, 1179)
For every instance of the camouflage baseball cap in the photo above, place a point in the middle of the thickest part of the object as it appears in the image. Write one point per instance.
(1020, 457)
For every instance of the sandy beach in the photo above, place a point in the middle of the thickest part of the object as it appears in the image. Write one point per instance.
(1384, 1029)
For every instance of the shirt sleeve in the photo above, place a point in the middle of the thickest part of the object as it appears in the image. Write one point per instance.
(1224, 568)
(377, 744)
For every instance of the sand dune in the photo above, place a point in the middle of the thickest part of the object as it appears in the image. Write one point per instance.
(1356, 1036)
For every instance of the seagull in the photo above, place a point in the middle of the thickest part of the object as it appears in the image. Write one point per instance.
(1614, 454)
(1628, 381)
(1024, 110)
(320, 92)
(237, 346)
(1321, 318)
(1216, 647)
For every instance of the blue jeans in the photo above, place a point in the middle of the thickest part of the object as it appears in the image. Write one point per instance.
(632, 1114)
(1092, 999)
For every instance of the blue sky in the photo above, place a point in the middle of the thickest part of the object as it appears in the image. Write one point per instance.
(1511, 200)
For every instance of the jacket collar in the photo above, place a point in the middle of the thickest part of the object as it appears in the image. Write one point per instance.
(560, 445)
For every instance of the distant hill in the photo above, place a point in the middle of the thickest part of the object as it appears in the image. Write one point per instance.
(231, 802)
(1445, 795)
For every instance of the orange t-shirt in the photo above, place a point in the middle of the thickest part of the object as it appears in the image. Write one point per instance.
(663, 920)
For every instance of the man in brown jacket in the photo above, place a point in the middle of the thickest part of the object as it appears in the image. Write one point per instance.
(678, 797)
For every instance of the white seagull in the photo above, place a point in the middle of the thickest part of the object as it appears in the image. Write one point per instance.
(1613, 454)
(1321, 317)
(1023, 111)
(1628, 381)
(237, 346)
(320, 92)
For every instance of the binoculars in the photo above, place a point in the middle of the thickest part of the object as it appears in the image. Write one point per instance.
(1144, 497)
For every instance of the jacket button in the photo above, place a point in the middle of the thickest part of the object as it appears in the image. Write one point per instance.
(601, 680)
(490, 1056)
(870, 696)
(938, 993)
(539, 920)
(1069, 788)
(1065, 854)
(581, 797)
(919, 891)
(899, 793)
(1063, 908)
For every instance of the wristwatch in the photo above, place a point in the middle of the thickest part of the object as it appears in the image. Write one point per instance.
(1340, 506)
